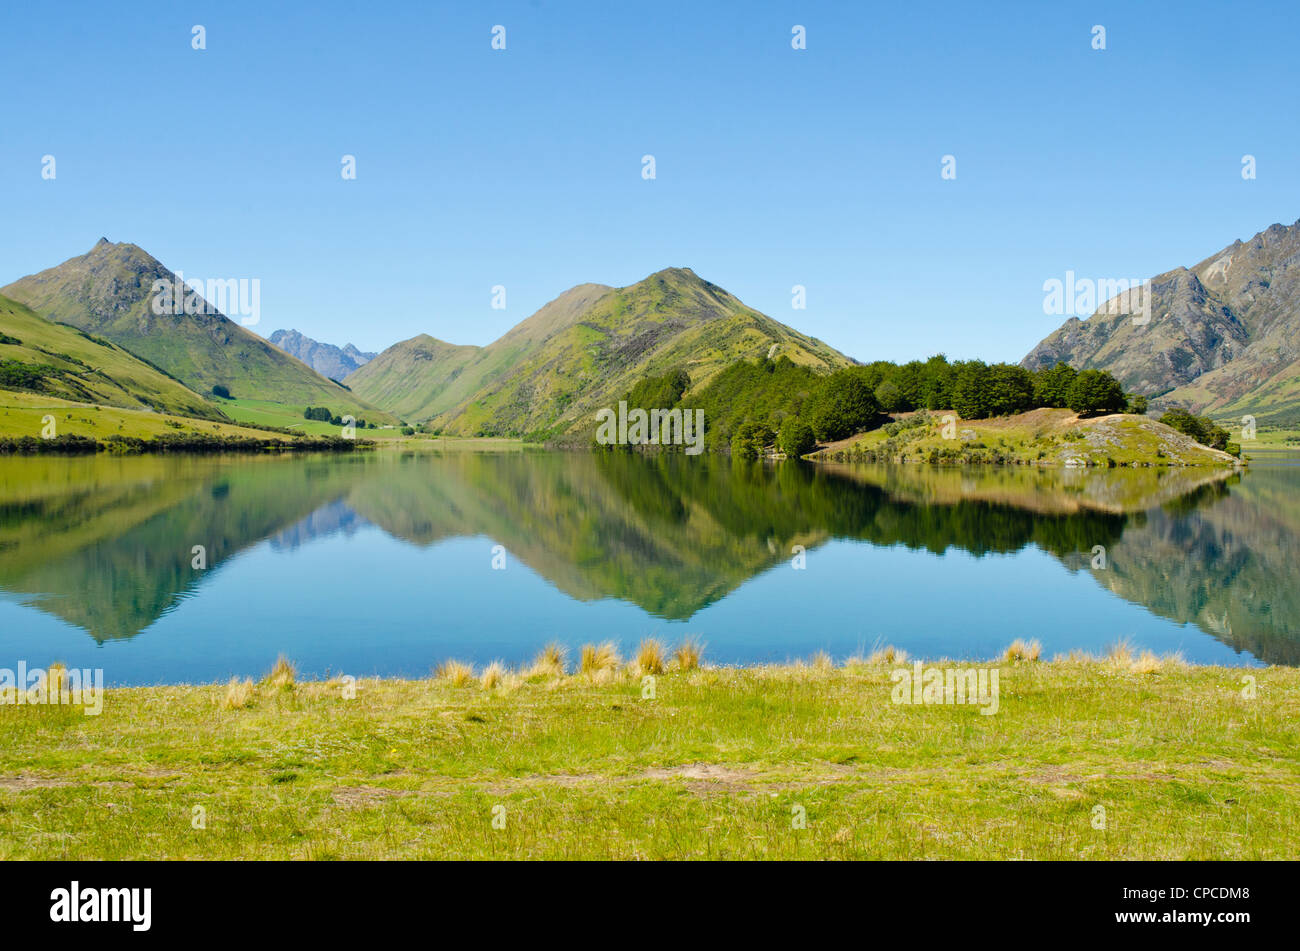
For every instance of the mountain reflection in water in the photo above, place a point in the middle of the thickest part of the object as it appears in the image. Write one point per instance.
(107, 544)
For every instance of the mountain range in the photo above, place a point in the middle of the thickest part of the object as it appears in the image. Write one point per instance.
(578, 353)
(329, 361)
(1223, 336)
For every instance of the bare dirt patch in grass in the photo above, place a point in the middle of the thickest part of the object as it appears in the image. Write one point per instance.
(364, 797)
(25, 783)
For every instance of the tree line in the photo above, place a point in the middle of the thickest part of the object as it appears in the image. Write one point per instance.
(753, 404)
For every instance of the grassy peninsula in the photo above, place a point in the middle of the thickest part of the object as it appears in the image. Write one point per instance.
(1041, 437)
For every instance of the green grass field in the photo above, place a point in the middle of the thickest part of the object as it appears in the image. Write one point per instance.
(23, 414)
(1273, 439)
(277, 414)
(1084, 759)
(266, 413)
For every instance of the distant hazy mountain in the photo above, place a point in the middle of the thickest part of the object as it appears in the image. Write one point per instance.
(325, 358)
(578, 353)
(1224, 336)
(62, 361)
(109, 292)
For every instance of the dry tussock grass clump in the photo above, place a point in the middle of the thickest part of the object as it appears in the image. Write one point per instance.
(885, 655)
(606, 675)
(1175, 661)
(494, 675)
(598, 659)
(1023, 651)
(650, 658)
(1145, 663)
(283, 674)
(455, 673)
(1119, 656)
(239, 694)
(550, 663)
(687, 655)
(814, 668)
(1121, 659)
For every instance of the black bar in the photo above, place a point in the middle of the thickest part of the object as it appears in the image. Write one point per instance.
(936, 901)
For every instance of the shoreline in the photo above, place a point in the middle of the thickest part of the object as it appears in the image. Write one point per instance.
(192, 445)
(1119, 656)
(1043, 440)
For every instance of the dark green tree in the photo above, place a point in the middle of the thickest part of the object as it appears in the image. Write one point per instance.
(1201, 428)
(844, 406)
(890, 397)
(1096, 391)
(659, 392)
(751, 440)
(970, 392)
(796, 438)
(1010, 389)
(937, 381)
(1052, 385)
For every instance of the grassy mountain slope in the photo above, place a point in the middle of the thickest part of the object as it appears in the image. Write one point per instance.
(1224, 335)
(584, 350)
(64, 362)
(411, 378)
(109, 291)
(424, 377)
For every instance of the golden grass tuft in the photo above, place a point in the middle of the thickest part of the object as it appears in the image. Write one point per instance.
(821, 661)
(283, 674)
(608, 675)
(688, 653)
(650, 657)
(1022, 650)
(494, 675)
(1119, 655)
(455, 673)
(887, 655)
(1175, 661)
(550, 663)
(1146, 663)
(596, 658)
(239, 694)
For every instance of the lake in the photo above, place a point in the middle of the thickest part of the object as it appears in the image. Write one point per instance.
(389, 562)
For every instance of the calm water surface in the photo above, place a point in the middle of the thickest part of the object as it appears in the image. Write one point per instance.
(382, 563)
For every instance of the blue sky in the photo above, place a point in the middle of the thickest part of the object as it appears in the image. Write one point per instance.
(775, 167)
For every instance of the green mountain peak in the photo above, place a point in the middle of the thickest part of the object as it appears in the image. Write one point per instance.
(579, 352)
(109, 292)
